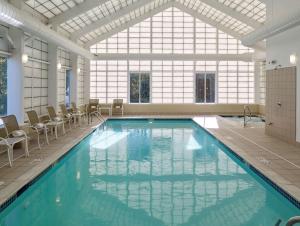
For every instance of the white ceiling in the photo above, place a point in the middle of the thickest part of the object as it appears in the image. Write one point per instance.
(85, 20)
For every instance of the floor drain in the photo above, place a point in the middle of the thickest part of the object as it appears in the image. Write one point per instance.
(263, 160)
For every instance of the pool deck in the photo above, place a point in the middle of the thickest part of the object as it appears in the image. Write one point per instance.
(277, 160)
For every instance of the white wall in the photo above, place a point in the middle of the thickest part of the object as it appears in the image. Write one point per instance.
(281, 46)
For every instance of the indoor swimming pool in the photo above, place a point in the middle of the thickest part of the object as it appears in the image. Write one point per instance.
(133, 172)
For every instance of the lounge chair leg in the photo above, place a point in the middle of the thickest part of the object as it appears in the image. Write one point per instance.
(55, 130)
(26, 148)
(63, 128)
(9, 156)
(46, 135)
(39, 140)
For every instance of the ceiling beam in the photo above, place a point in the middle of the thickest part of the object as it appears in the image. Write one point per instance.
(215, 24)
(247, 57)
(108, 19)
(75, 11)
(130, 23)
(233, 13)
(181, 7)
(207, 20)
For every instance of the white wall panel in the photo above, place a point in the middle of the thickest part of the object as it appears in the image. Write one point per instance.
(36, 76)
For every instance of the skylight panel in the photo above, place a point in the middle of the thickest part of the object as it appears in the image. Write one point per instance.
(249, 8)
(122, 20)
(51, 8)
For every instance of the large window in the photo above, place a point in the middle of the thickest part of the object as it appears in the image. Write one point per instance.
(172, 33)
(139, 87)
(205, 88)
(3, 85)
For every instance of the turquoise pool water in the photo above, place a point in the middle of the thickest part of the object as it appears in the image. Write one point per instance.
(149, 173)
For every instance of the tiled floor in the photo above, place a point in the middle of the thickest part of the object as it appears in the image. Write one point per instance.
(26, 169)
(277, 160)
(274, 158)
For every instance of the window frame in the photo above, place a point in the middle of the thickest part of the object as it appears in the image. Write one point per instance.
(205, 79)
(150, 86)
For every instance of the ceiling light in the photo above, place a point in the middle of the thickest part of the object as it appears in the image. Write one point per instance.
(24, 58)
(59, 66)
(78, 70)
(293, 59)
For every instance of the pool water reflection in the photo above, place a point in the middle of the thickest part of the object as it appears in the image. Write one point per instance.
(163, 173)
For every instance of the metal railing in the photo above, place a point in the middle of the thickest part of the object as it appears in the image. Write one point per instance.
(247, 110)
(292, 221)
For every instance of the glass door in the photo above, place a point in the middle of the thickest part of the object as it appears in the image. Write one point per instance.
(205, 87)
(139, 87)
(68, 89)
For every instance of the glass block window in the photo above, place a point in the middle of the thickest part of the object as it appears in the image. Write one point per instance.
(162, 81)
(63, 57)
(236, 82)
(3, 86)
(108, 80)
(183, 32)
(229, 45)
(172, 81)
(140, 38)
(162, 32)
(262, 82)
(205, 38)
(183, 72)
(36, 77)
(98, 80)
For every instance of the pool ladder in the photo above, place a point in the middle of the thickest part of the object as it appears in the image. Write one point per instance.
(292, 221)
(247, 112)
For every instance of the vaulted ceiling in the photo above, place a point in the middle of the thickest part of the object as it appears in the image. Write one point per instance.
(88, 20)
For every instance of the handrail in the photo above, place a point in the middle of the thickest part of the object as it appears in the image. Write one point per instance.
(246, 107)
(278, 222)
(292, 221)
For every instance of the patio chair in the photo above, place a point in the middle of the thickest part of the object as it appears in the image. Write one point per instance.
(11, 134)
(68, 117)
(94, 101)
(118, 105)
(37, 126)
(79, 113)
(55, 120)
(74, 107)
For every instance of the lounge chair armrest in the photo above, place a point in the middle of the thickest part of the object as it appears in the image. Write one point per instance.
(36, 129)
(21, 133)
(4, 140)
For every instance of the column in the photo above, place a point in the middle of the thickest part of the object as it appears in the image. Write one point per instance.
(52, 76)
(87, 81)
(15, 80)
(74, 78)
